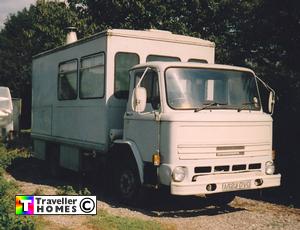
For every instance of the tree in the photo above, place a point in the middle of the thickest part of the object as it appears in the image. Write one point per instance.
(27, 33)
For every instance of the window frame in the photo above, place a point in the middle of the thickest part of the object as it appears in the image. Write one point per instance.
(58, 79)
(197, 60)
(115, 74)
(163, 56)
(215, 108)
(79, 78)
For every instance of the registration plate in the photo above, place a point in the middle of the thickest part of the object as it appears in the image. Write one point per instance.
(237, 185)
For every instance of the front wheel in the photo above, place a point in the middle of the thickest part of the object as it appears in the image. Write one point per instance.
(128, 185)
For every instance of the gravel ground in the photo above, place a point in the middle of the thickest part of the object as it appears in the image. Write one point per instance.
(185, 212)
(174, 212)
(241, 214)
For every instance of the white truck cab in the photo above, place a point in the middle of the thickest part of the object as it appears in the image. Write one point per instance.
(206, 124)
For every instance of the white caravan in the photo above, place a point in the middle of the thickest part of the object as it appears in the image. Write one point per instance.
(6, 107)
(177, 120)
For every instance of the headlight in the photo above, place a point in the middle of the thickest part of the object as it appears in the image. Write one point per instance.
(270, 168)
(178, 174)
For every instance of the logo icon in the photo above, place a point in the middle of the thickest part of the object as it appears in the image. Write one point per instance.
(87, 205)
(24, 205)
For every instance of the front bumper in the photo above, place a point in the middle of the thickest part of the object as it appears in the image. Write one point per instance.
(199, 186)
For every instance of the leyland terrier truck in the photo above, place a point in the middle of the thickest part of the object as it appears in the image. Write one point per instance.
(151, 109)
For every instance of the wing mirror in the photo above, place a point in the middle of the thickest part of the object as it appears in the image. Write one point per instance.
(271, 102)
(139, 99)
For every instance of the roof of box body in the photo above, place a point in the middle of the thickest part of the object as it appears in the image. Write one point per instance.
(151, 34)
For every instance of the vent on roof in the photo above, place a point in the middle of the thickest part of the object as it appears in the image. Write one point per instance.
(71, 35)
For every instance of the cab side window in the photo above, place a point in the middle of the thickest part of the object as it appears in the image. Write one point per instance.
(150, 83)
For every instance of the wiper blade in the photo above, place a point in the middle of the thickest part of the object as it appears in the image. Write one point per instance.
(246, 105)
(207, 105)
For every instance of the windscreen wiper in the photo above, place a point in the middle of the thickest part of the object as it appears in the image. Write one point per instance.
(246, 105)
(207, 105)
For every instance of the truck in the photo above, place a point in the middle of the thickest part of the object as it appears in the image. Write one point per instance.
(152, 109)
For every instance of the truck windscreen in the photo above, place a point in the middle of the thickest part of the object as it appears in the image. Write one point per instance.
(202, 88)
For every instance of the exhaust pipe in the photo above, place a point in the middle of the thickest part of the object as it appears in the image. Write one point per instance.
(71, 35)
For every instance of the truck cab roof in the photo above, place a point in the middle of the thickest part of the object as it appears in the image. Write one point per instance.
(163, 65)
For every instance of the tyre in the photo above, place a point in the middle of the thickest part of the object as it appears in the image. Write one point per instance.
(127, 184)
(221, 199)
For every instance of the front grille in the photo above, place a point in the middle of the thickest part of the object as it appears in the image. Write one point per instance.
(230, 150)
(222, 148)
(212, 151)
(202, 169)
(255, 166)
(238, 167)
(222, 168)
(227, 168)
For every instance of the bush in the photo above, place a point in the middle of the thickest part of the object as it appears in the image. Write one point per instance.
(65, 190)
(8, 191)
(69, 190)
(6, 156)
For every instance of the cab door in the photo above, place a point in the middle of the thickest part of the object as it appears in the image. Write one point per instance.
(142, 127)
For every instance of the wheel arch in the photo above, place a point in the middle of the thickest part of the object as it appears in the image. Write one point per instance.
(134, 153)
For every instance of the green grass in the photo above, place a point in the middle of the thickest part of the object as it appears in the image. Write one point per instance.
(106, 221)
(41, 223)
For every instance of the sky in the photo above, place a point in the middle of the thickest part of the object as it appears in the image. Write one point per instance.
(8, 7)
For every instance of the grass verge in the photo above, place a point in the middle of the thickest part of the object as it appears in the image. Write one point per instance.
(105, 221)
